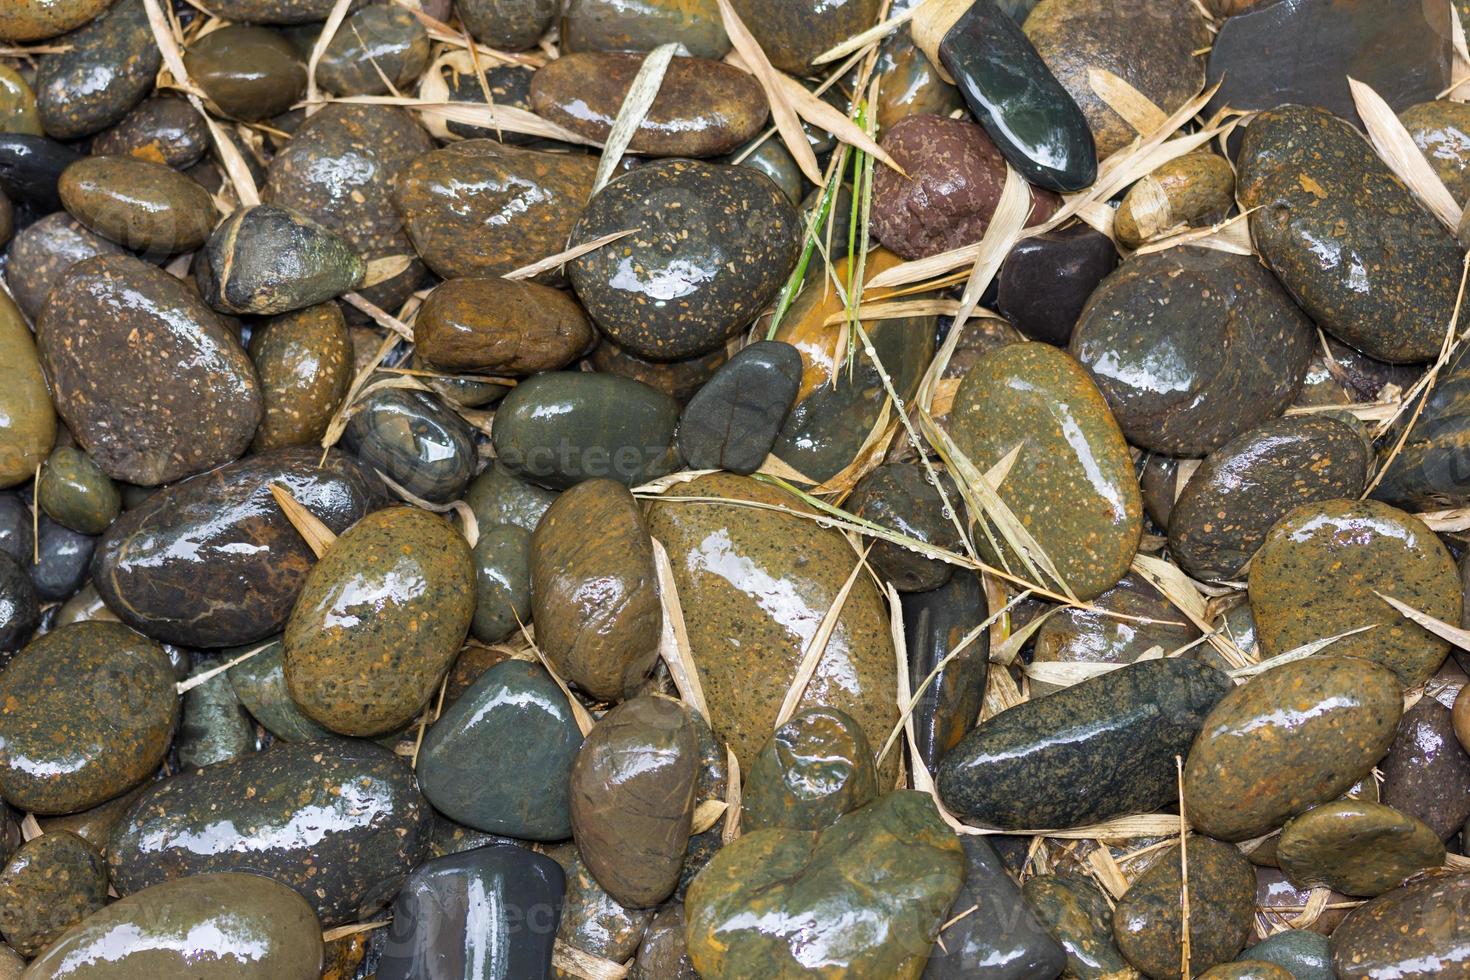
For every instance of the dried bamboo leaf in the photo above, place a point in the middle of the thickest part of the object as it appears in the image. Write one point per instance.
(1397, 148)
(1121, 828)
(1460, 68)
(1107, 872)
(1011, 212)
(381, 317)
(329, 31)
(1231, 235)
(631, 113)
(1136, 108)
(30, 827)
(1447, 521)
(817, 646)
(674, 644)
(867, 38)
(187, 685)
(733, 797)
(1296, 653)
(385, 268)
(561, 258)
(318, 536)
(707, 814)
(503, 117)
(579, 963)
(821, 114)
(1184, 593)
(342, 932)
(1006, 653)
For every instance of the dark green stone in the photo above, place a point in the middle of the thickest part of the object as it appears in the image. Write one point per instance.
(1148, 919)
(642, 25)
(74, 492)
(377, 47)
(415, 440)
(1428, 472)
(1287, 740)
(1417, 931)
(713, 246)
(86, 713)
(214, 726)
(864, 897)
(502, 582)
(110, 66)
(499, 759)
(560, 428)
(510, 25)
(1122, 732)
(161, 129)
(732, 422)
(1078, 916)
(251, 73)
(53, 882)
(1307, 955)
(1356, 848)
(1345, 236)
(260, 684)
(268, 259)
(934, 624)
(815, 768)
(899, 497)
(1245, 486)
(340, 820)
(498, 496)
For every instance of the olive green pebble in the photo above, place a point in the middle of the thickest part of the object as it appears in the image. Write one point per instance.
(138, 204)
(1078, 916)
(815, 768)
(17, 105)
(75, 493)
(53, 882)
(502, 582)
(251, 73)
(1356, 848)
(213, 726)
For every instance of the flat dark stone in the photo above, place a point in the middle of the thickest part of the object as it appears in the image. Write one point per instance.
(20, 610)
(416, 441)
(1426, 773)
(1045, 281)
(934, 623)
(1430, 471)
(899, 497)
(30, 166)
(66, 556)
(731, 423)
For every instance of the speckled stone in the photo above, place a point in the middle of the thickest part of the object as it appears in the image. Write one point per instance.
(714, 245)
(1123, 728)
(1246, 970)
(374, 44)
(496, 326)
(161, 129)
(592, 920)
(20, 609)
(747, 648)
(1072, 486)
(511, 25)
(1344, 235)
(815, 768)
(955, 177)
(704, 108)
(18, 102)
(563, 427)
(1247, 485)
(594, 590)
(1426, 773)
(46, 250)
(642, 25)
(1078, 916)
(663, 954)
(39, 21)
(793, 32)
(414, 439)
(864, 897)
(502, 582)
(681, 379)
(209, 927)
(732, 422)
(480, 208)
(86, 713)
(213, 561)
(110, 67)
(1222, 889)
(1190, 346)
(1356, 848)
(1153, 48)
(148, 412)
(304, 361)
(260, 684)
(1411, 932)
(899, 496)
(1306, 955)
(268, 259)
(1370, 547)
(53, 882)
(142, 206)
(934, 625)
(276, 11)
(29, 421)
(498, 496)
(1195, 189)
(74, 492)
(379, 621)
(370, 825)
(1441, 130)
(251, 73)
(509, 85)
(1287, 740)
(339, 171)
(65, 557)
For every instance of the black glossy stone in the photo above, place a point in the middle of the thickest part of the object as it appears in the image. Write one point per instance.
(30, 166)
(20, 611)
(490, 913)
(268, 259)
(731, 423)
(1429, 471)
(934, 623)
(1045, 281)
(16, 534)
(109, 68)
(416, 441)
(65, 558)
(899, 497)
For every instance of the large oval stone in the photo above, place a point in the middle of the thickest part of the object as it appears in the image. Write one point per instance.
(1072, 485)
(105, 69)
(379, 620)
(153, 384)
(1369, 548)
(1100, 749)
(27, 420)
(728, 562)
(251, 73)
(213, 561)
(145, 206)
(642, 25)
(496, 326)
(38, 21)
(1345, 236)
(1296, 736)
(340, 821)
(1357, 848)
(1417, 931)
(209, 927)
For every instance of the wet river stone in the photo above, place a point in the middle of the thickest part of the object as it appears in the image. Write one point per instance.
(1370, 547)
(726, 560)
(213, 727)
(370, 825)
(1072, 485)
(815, 768)
(1426, 773)
(46, 250)
(794, 32)
(86, 713)
(703, 108)
(632, 798)
(1247, 485)
(30, 167)
(594, 590)
(1441, 130)
(1306, 955)
(1386, 279)
(663, 954)
(502, 582)
(379, 620)
(955, 177)
(1123, 731)
(251, 73)
(1294, 737)
(20, 609)
(1192, 345)
(1046, 280)
(1417, 931)
(268, 259)
(38, 21)
(1428, 472)
(500, 757)
(415, 440)
(65, 557)
(899, 497)
(713, 246)
(1194, 189)
(497, 496)
(496, 326)
(680, 379)
(213, 561)
(1222, 891)
(863, 897)
(143, 206)
(209, 927)
(934, 625)
(18, 104)
(27, 420)
(377, 50)
(53, 882)
(151, 382)
(1077, 914)
(275, 11)
(491, 912)
(74, 492)
(110, 67)
(260, 684)
(304, 361)
(1154, 48)
(161, 129)
(512, 25)
(642, 25)
(479, 208)
(732, 422)
(1356, 848)
(592, 920)
(560, 428)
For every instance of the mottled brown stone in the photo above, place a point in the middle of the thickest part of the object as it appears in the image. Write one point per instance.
(496, 326)
(141, 205)
(304, 360)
